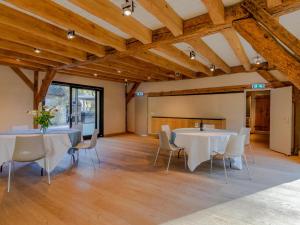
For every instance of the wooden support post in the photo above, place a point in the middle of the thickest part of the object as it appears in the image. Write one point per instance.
(45, 85)
(35, 92)
(131, 93)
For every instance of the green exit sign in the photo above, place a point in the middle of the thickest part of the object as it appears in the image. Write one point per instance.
(258, 86)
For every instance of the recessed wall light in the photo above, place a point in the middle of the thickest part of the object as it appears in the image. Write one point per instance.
(37, 50)
(95, 74)
(119, 71)
(149, 78)
(126, 80)
(212, 68)
(71, 34)
(128, 7)
(192, 55)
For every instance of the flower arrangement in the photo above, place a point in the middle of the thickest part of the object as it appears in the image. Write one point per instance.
(43, 116)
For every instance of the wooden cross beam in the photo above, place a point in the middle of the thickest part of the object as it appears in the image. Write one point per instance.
(270, 49)
(131, 93)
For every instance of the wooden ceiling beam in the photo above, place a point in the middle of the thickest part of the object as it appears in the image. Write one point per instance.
(145, 66)
(273, 26)
(124, 68)
(22, 63)
(23, 49)
(180, 56)
(21, 56)
(270, 78)
(99, 77)
(12, 34)
(237, 47)
(215, 10)
(22, 21)
(202, 48)
(268, 47)
(123, 75)
(287, 6)
(273, 3)
(160, 61)
(112, 14)
(71, 20)
(165, 14)
(23, 77)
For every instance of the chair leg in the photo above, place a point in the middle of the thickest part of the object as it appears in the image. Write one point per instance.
(157, 153)
(252, 153)
(179, 153)
(184, 155)
(171, 153)
(211, 163)
(246, 163)
(225, 170)
(97, 156)
(48, 170)
(77, 152)
(91, 157)
(1, 168)
(9, 177)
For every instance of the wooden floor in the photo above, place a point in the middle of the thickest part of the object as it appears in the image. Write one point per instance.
(127, 189)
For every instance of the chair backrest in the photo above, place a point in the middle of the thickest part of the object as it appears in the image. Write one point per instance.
(235, 145)
(94, 139)
(29, 148)
(167, 129)
(164, 143)
(245, 131)
(79, 126)
(20, 127)
(208, 126)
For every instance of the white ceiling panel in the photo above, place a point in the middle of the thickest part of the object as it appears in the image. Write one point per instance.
(186, 48)
(291, 22)
(92, 18)
(220, 46)
(142, 15)
(187, 9)
(230, 2)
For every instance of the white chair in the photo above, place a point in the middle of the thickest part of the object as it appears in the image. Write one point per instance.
(167, 129)
(20, 127)
(234, 148)
(208, 126)
(165, 145)
(89, 146)
(246, 131)
(79, 127)
(28, 149)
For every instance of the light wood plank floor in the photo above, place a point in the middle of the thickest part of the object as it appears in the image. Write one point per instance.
(127, 189)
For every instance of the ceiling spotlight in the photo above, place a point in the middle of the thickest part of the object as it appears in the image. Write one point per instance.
(125, 80)
(192, 55)
(71, 34)
(149, 78)
(95, 74)
(119, 71)
(212, 68)
(37, 50)
(177, 74)
(128, 7)
(257, 60)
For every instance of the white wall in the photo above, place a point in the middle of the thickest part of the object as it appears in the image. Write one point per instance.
(16, 98)
(235, 117)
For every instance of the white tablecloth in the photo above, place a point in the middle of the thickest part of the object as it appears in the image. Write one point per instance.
(200, 144)
(56, 145)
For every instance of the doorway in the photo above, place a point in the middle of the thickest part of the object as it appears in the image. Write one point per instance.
(78, 104)
(258, 114)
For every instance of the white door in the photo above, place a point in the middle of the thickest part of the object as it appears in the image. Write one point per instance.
(281, 120)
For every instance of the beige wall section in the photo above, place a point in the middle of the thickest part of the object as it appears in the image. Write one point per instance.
(16, 98)
(219, 81)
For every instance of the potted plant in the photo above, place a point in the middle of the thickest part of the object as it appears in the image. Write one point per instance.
(42, 116)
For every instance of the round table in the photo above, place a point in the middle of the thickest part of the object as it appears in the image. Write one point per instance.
(57, 143)
(200, 144)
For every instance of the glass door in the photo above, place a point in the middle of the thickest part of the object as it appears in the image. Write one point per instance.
(84, 109)
(77, 104)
